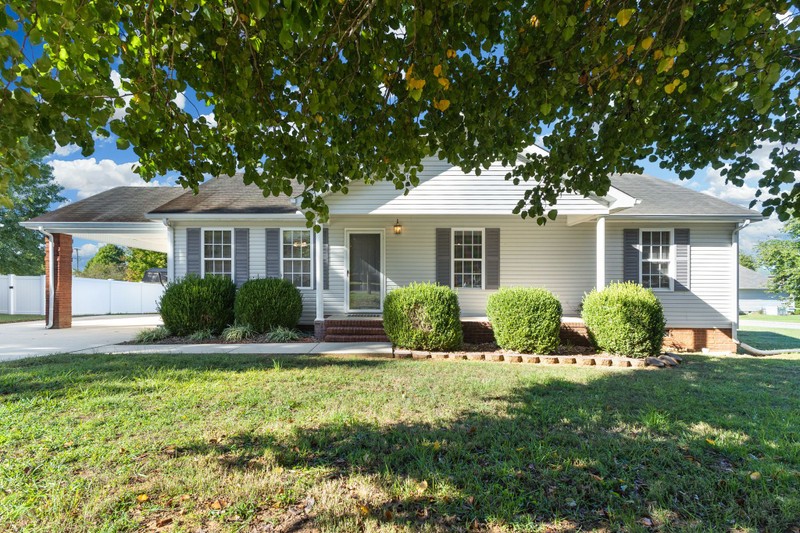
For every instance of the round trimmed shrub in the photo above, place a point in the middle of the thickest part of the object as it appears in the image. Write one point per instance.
(423, 316)
(525, 320)
(195, 304)
(264, 304)
(625, 319)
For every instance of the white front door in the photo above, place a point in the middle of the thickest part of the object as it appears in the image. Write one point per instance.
(364, 285)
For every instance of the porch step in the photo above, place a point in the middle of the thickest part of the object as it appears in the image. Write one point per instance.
(354, 330)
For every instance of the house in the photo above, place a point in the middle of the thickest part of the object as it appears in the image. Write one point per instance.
(754, 296)
(454, 228)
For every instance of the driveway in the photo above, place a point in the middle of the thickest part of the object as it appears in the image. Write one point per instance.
(28, 339)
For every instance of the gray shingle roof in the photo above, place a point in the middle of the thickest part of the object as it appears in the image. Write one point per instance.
(750, 279)
(120, 204)
(658, 197)
(228, 195)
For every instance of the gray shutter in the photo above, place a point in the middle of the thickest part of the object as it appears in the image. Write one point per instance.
(682, 244)
(326, 260)
(193, 256)
(241, 250)
(273, 252)
(630, 255)
(492, 258)
(443, 260)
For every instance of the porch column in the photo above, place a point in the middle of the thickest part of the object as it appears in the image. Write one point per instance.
(319, 319)
(601, 253)
(62, 277)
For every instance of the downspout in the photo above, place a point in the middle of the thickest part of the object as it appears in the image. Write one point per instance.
(735, 243)
(51, 289)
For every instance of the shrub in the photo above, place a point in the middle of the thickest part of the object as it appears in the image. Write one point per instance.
(201, 335)
(525, 320)
(264, 304)
(282, 334)
(193, 304)
(423, 316)
(625, 319)
(237, 333)
(156, 334)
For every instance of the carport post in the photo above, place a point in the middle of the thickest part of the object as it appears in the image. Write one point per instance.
(62, 280)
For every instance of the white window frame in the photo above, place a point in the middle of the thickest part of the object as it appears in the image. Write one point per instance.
(203, 251)
(453, 259)
(311, 236)
(672, 257)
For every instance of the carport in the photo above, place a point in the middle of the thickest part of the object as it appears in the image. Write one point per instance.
(116, 216)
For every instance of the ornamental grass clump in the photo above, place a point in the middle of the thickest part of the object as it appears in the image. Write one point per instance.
(525, 320)
(625, 319)
(423, 316)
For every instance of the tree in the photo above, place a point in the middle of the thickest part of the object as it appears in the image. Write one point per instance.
(327, 92)
(22, 250)
(782, 258)
(139, 261)
(103, 271)
(748, 261)
(108, 254)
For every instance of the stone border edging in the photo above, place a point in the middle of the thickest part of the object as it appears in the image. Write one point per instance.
(664, 361)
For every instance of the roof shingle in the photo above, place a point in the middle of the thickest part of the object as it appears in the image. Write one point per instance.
(120, 204)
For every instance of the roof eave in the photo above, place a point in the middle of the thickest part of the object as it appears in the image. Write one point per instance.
(227, 216)
(67, 227)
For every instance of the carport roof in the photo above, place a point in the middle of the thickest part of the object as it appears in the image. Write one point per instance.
(120, 204)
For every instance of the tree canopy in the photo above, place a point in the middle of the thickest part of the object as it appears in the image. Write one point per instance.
(748, 261)
(22, 250)
(782, 258)
(115, 262)
(327, 92)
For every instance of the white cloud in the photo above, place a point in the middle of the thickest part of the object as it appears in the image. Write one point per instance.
(120, 112)
(64, 151)
(212, 121)
(758, 232)
(180, 100)
(89, 176)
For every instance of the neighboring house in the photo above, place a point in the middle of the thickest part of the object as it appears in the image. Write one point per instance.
(754, 296)
(454, 228)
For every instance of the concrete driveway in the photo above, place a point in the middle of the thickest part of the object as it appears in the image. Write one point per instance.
(28, 339)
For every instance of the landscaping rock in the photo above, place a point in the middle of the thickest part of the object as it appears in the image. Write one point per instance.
(637, 363)
(457, 356)
(654, 361)
(675, 356)
(604, 361)
(421, 355)
(566, 360)
(586, 361)
(494, 357)
(402, 354)
(622, 362)
(513, 358)
(530, 358)
(439, 355)
(475, 356)
(549, 360)
(671, 361)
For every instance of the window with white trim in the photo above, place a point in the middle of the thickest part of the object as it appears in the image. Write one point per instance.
(296, 257)
(218, 253)
(656, 259)
(468, 259)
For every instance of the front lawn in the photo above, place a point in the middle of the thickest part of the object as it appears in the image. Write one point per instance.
(770, 338)
(7, 319)
(794, 319)
(236, 442)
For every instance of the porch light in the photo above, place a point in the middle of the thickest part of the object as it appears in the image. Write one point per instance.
(398, 228)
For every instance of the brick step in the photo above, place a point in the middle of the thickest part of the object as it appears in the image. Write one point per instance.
(358, 330)
(378, 324)
(356, 338)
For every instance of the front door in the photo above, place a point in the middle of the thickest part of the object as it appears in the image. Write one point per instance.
(365, 271)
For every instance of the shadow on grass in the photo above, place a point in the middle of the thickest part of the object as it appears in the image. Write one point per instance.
(676, 447)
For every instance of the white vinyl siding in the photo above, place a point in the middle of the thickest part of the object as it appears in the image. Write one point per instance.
(258, 252)
(709, 303)
(446, 189)
(554, 256)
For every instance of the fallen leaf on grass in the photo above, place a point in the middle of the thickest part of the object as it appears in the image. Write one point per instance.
(142, 498)
(164, 522)
(363, 510)
(216, 505)
(423, 486)
(711, 441)
(755, 476)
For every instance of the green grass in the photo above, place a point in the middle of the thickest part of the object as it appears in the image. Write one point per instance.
(795, 319)
(7, 319)
(770, 338)
(238, 443)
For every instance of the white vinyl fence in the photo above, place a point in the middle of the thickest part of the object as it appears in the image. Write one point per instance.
(24, 295)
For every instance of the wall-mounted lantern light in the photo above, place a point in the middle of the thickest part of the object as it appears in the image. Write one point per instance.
(398, 228)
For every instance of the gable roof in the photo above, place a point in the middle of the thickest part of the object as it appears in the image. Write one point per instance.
(750, 279)
(120, 204)
(656, 197)
(228, 195)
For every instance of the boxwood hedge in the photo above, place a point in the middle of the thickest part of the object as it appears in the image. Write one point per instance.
(195, 304)
(423, 316)
(525, 320)
(264, 304)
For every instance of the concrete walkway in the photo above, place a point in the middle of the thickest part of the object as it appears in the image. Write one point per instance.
(293, 348)
(30, 339)
(768, 324)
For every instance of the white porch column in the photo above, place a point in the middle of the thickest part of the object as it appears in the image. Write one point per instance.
(601, 253)
(170, 251)
(318, 261)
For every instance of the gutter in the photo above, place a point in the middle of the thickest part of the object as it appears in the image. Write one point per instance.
(51, 289)
(735, 324)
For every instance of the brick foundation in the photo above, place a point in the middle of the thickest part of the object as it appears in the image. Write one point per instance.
(695, 339)
(62, 301)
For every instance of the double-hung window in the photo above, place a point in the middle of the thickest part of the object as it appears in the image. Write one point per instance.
(656, 259)
(468, 251)
(218, 252)
(296, 257)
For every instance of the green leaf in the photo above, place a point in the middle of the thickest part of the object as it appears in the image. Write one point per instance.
(624, 16)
